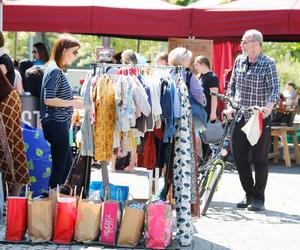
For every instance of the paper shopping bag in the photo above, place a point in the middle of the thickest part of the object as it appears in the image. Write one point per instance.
(87, 225)
(65, 219)
(131, 226)
(40, 220)
(109, 222)
(53, 196)
(16, 218)
(158, 225)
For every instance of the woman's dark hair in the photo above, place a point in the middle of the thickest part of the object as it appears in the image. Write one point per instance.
(291, 84)
(1, 39)
(23, 66)
(63, 42)
(42, 51)
(202, 59)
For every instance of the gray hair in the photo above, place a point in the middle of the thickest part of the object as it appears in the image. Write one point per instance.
(128, 57)
(179, 55)
(255, 35)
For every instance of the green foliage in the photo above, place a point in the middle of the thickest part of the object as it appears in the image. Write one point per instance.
(288, 71)
(287, 57)
(183, 2)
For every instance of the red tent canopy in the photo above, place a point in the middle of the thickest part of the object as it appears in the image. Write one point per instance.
(140, 18)
(136, 18)
(228, 21)
(48, 16)
(294, 19)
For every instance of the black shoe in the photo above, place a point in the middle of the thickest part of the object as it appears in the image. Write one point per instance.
(256, 205)
(245, 202)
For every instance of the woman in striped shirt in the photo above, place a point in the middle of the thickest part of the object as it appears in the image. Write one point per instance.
(57, 103)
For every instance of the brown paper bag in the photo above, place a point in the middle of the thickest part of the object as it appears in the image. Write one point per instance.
(87, 225)
(39, 220)
(131, 227)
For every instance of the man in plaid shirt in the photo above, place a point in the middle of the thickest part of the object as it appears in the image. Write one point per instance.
(254, 81)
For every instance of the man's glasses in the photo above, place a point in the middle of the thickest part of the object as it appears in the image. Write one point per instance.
(244, 42)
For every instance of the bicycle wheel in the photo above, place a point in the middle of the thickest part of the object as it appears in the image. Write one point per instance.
(202, 182)
(211, 188)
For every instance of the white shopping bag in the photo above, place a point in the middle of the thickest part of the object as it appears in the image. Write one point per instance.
(253, 128)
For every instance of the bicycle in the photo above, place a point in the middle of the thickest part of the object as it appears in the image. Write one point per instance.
(212, 170)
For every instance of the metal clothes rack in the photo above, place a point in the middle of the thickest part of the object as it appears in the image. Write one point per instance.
(138, 66)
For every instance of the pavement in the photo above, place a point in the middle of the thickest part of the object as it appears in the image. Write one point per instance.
(225, 226)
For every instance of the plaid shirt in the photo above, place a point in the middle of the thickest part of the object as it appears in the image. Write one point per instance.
(258, 85)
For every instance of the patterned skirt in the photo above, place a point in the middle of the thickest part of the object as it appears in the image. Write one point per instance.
(13, 164)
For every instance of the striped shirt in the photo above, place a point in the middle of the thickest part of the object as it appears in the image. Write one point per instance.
(55, 85)
(256, 84)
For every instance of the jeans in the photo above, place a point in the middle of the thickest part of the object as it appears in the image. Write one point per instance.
(57, 134)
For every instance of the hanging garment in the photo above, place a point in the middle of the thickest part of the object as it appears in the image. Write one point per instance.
(192, 163)
(86, 128)
(105, 117)
(10, 108)
(147, 157)
(182, 171)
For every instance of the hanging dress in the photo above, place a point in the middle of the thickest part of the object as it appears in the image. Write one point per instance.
(105, 118)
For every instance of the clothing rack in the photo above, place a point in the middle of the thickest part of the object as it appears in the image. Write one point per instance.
(103, 165)
(138, 66)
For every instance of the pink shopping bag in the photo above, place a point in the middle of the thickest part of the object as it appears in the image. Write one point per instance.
(109, 222)
(158, 226)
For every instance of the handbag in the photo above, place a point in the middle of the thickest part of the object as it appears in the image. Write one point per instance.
(213, 133)
(77, 174)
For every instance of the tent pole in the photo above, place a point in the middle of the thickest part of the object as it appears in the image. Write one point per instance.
(15, 44)
(106, 42)
(1, 15)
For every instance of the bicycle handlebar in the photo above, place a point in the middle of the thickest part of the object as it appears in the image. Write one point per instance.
(225, 98)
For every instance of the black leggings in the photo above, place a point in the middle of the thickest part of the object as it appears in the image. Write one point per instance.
(57, 134)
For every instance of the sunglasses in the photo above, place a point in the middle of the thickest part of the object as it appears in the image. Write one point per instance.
(75, 52)
(246, 42)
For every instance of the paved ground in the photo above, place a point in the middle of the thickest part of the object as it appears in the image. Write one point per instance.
(225, 226)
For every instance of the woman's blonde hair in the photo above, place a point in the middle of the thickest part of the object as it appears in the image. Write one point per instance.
(63, 42)
(128, 57)
(179, 56)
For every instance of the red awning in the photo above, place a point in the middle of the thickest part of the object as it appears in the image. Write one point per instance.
(136, 18)
(140, 18)
(230, 20)
(72, 16)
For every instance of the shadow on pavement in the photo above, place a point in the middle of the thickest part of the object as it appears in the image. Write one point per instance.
(228, 212)
(284, 170)
(202, 244)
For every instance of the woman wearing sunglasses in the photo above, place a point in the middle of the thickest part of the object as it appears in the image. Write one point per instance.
(57, 103)
(40, 54)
